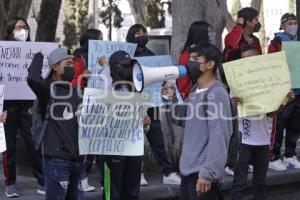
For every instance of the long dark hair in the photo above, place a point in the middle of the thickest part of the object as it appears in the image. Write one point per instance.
(133, 30)
(11, 27)
(89, 34)
(198, 32)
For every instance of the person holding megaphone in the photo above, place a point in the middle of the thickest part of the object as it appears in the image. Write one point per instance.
(138, 34)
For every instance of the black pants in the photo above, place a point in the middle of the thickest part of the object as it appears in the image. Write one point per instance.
(125, 177)
(290, 140)
(156, 141)
(19, 117)
(259, 157)
(188, 189)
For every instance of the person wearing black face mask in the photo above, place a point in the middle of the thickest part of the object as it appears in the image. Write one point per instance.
(242, 34)
(201, 174)
(138, 34)
(60, 138)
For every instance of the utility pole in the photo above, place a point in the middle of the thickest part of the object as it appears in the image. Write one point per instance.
(298, 16)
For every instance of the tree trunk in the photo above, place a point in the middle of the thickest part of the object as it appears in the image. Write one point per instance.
(137, 8)
(19, 8)
(292, 6)
(12, 8)
(262, 32)
(256, 4)
(47, 21)
(185, 12)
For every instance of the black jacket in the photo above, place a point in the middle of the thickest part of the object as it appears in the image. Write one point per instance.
(61, 136)
(144, 52)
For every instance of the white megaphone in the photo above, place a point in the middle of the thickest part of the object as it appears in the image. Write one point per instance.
(144, 76)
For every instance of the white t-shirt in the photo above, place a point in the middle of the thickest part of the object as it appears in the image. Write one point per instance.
(255, 130)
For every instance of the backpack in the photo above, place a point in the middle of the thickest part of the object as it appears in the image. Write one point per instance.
(39, 124)
(40, 121)
(235, 139)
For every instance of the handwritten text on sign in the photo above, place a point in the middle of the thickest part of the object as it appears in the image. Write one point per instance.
(15, 59)
(262, 81)
(111, 123)
(2, 133)
(155, 89)
(98, 49)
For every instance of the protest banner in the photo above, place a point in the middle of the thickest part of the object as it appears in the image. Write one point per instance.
(111, 123)
(155, 89)
(98, 49)
(15, 59)
(2, 133)
(292, 49)
(262, 81)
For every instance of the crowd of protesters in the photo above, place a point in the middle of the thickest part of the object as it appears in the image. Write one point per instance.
(62, 173)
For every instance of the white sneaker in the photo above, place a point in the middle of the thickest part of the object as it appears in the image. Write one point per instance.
(250, 168)
(277, 165)
(172, 179)
(291, 162)
(144, 182)
(229, 172)
(86, 187)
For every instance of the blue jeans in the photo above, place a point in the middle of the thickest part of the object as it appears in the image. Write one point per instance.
(62, 179)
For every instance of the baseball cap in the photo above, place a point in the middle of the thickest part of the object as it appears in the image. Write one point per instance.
(56, 56)
(286, 17)
(120, 58)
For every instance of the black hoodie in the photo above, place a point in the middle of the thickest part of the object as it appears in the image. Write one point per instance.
(61, 136)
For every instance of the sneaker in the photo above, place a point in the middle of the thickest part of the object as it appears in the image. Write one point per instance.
(172, 179)
(11, 191)
(250, 168)
(229, 172)
(86, 187)
(41, 190)
(292, 162)
(143, 182)
(277, 165)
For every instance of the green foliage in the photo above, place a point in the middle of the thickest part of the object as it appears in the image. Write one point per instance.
(155, 17)
(111, 15)
(292, 6)
(76, 21)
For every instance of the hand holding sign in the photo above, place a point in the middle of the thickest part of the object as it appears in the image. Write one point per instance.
(262, 81)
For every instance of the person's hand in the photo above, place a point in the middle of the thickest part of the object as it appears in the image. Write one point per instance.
(147, 120)
(236, 99)
(291, 95)
(240, 21)
(202, 186)
(37, 61)
(102, 61)
(3, 117)
(168, 90)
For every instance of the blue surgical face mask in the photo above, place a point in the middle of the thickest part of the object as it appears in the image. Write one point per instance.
(292, 29)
